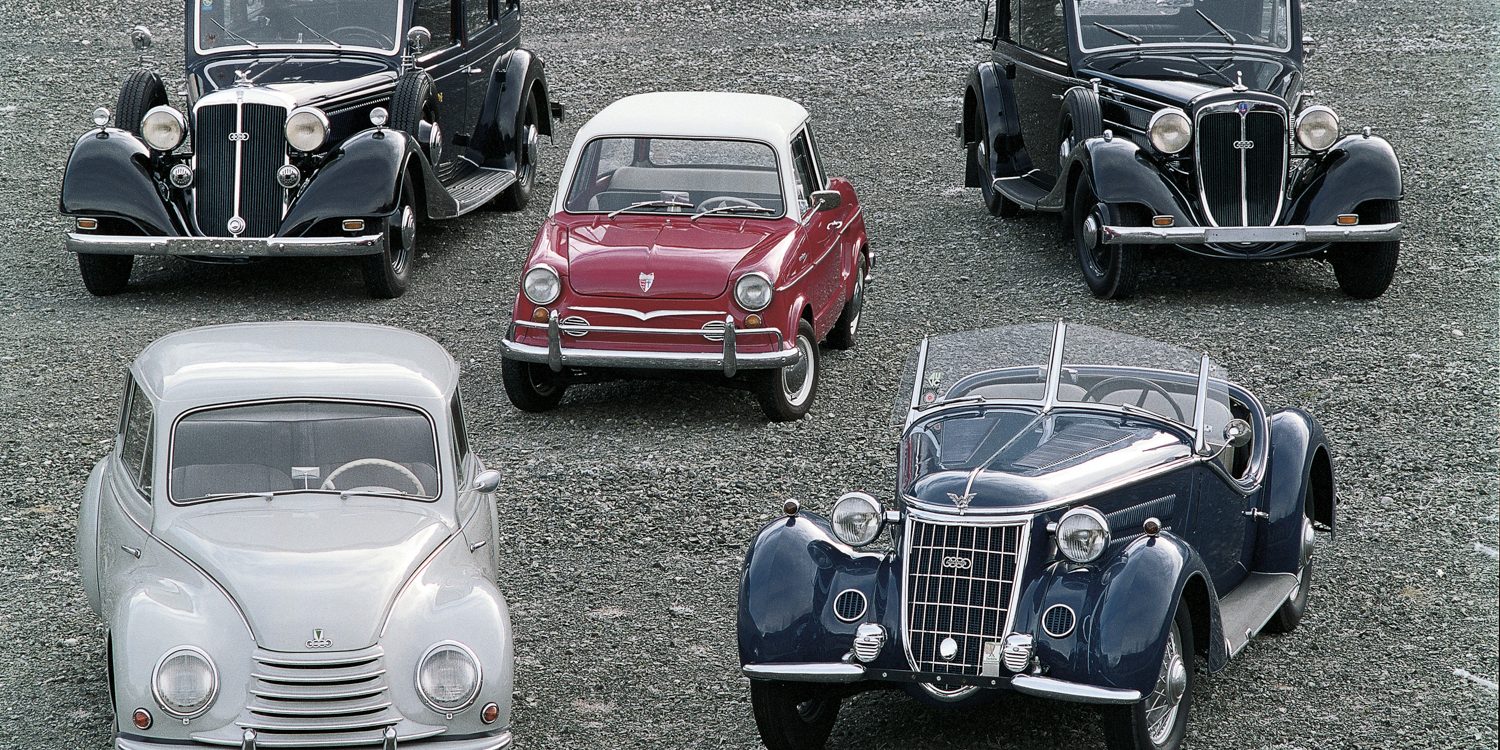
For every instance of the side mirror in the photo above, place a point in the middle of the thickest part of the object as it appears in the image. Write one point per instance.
(1237, 433)
(418, 38)
(1309, 46)
(141, 39)
(487, 482)
(826, 200)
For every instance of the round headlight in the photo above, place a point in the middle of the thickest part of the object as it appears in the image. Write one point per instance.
(1317, 128)
(185, 682)
(307, 129)
(541, 285)
(857, 519)
(448, 677)
(1082, 535)
(163, 128)
(1170, 130)
(753, 292)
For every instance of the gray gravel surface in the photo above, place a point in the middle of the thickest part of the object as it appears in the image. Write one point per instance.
(625, 513)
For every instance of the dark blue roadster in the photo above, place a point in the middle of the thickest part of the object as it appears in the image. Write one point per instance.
(1079, 515)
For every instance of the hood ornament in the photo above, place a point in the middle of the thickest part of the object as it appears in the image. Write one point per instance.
(962, 501)
(647, 279)
(1239, 81)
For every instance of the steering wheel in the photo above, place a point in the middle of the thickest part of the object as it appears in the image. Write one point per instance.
(378, 463)
(361, 31)
(720, 201)
(1119, 383)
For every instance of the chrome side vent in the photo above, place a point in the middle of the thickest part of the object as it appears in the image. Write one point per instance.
(850, 605)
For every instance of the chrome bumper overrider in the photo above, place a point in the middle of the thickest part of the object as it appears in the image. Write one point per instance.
(1260, 235)
(1042, 687)
(729, 358)
(226, 247)
(500, 741)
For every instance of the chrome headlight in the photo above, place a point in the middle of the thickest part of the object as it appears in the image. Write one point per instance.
(163, 128)
(753, 292)
(1171, 131)
(307, 129)
(1082, 535)
(185, 682)
(541, 285)
(857, 519)
(1317, 128)
(448, 677)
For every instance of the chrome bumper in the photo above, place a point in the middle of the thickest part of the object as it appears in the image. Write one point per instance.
(1257, 235)
(500, 741)
(1042, 687)
(226, 247)
(729, 358)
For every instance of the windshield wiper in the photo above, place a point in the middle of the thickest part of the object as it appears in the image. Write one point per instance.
(267, 496)
(731, 209)
(325, 37)
(1125, 34)
(231, 34)
(1215, 24)
(651, 204)
(346, 494)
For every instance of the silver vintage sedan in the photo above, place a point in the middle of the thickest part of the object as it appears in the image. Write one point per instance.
(293, 546)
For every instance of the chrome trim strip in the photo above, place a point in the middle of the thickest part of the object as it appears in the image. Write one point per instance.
(805, 672)
(1200, 403)
(982, 515)
(1054, 373)
(239, 158)
(638, 315)
(1072, 692)
(226, 247)
(1228, 235)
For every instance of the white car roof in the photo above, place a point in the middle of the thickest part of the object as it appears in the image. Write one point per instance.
(252, 361)
(699, 114)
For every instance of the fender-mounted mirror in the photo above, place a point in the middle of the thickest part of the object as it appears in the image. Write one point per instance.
(1237, 433)
(487, 482)
(418, 39)
(1309, 46)
(141, 39)
(826, 200)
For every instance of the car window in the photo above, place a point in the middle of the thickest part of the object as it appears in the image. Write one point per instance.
(460, 434)
(818, 162)
(676, 175)
(437, 16)
(1038, 25)
(135, 448)
(804, 169)
(478, 15)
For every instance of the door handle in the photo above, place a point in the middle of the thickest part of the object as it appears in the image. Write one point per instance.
(132, 551)
(835, 225)
(475, 71)
(802, 257)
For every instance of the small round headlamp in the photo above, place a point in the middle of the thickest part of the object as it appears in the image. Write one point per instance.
(379, 116)
(1317, 128)
(101, 116)
(1170, 130)
(1082, 535)
(163, 128)
(857, 519)
(448, 677)
(185, 682)
(753, 292)
(541, 285)
(307, 129)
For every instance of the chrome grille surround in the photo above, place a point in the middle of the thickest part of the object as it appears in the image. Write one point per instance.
(239, 143)
(319, 699)
(1241, 186)
(943, 599)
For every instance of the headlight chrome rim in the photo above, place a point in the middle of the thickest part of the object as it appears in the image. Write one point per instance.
(1306, 118)
(473, 693)
(845, 506)
(1163, 119)
(163, 129)
(554, 282)
(303, 140)
(739, 296)
(213, 676)
(1102, 531)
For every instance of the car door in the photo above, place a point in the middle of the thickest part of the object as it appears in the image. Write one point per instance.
(445, 61)
(125, 505)
(476, 511)
(821, 232)
(1037, 42)
(485, 39)
(1229, 497)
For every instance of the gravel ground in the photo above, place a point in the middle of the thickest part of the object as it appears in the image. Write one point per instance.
(625, 513)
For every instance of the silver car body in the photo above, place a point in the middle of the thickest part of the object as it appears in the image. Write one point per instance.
(314, 607)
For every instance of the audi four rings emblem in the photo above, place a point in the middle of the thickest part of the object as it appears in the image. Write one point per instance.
(958, 563)
(1244, 145)
(318, 641)
(239, 136)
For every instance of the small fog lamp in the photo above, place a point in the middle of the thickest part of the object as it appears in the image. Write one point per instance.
(753, 321)
(289, 176)
(490, 713)
(379, 116)
(181, 176)
(540, 315)
(101, 117)
(141, 718)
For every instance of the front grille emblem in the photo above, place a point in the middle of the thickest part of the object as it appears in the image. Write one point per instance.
(318, 641)
(239, 136)
(957, 563)
(948, 649)
(1243, 108)
(647, 279)
(1244, 145)
(236, 225)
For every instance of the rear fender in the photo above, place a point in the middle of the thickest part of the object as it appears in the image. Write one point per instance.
(1356, 170)
(108, 175)
(1299, 460)
(516, 74)
(88, 536)
(1122, 173)
(989, 92)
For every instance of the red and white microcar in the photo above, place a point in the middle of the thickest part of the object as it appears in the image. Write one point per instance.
(691, 231)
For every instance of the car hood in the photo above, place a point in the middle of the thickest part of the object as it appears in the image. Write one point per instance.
(300, 81)
(674, 259)
(1175, 79)
(295, 569)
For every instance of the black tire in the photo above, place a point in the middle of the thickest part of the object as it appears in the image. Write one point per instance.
(783, 396)
(793, 715)
(994, 200)
(531, 387)
(1129, 727)
(528, 138)
(1365, 269)
(1110, 271)
(411, 104)
(140, 93)
(1289, 615)
(844, 332)
(388, 274)
(105, 275)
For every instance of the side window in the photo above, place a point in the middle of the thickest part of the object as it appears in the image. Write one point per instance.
(136, 448)
(818, 163)
(804, 170)
(1038, 25)
(437, 16)
(478, 15)
(460, 435)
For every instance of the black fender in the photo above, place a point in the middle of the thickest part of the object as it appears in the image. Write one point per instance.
(1299, 460)
(1122, 173)
(109, 175)
(990, 93)
(362, 179)
(793, 570)
(1356, 170)
(516, 74)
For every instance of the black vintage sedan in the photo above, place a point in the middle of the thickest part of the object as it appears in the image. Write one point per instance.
(1179, 123)
(1078, 515)
(314, 128)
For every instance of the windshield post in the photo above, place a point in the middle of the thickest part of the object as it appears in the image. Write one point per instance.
(916, 383)
(1054, 369)
(1200, 436)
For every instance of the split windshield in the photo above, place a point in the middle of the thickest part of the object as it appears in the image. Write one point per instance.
(1131, 23)
(677, 176)
(301, 446)
(242, 24)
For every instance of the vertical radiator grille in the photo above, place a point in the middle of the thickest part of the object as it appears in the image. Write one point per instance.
(254, 135)
(1242, 152)
(960, 582)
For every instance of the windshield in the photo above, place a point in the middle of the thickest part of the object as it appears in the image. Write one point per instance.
(242, 24)
(1128, 23)
(299, 446)
(677, 175)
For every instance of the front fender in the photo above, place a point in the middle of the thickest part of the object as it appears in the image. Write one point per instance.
(1122, 173)
(360, 180)
(1299, 462)
(1356, 170)
(517, 73)
(108, 175)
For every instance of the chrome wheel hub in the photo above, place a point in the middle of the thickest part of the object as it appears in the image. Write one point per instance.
(530, 148)
(1171, 684)
(797, 379)
(1090, 232)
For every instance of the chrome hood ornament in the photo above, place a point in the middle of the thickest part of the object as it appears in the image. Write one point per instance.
(961, 501)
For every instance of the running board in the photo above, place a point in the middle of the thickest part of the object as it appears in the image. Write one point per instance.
(1250, 606)
(479, 187)
(1026, 192)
